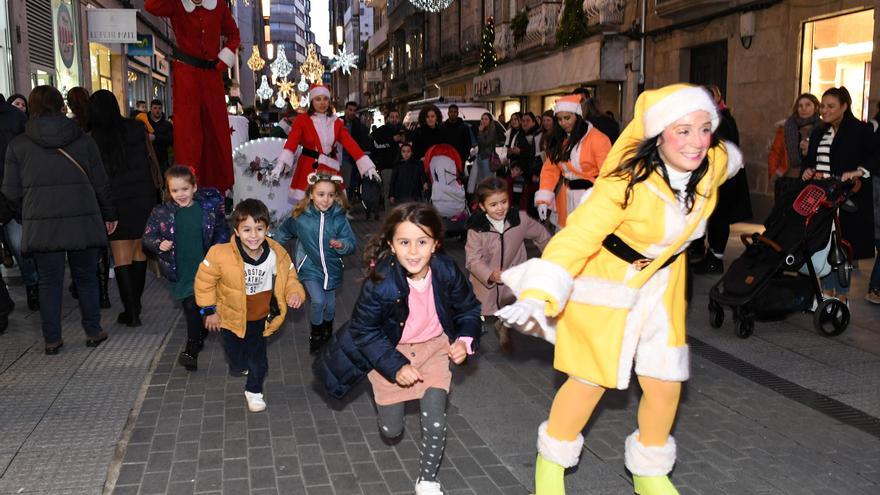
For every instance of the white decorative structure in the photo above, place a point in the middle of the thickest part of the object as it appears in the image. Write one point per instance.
(264, 92)
(606, 12)
(279, 101)
(303, 85)
(344, 60)
(252, 164)
(431, 5)
(281, 67)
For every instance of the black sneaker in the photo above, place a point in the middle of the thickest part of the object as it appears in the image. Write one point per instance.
(709, 266)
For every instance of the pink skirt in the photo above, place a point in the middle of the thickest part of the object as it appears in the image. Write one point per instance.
(430, 358)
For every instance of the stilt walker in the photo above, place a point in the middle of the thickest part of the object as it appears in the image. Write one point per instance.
(202, 138)
(609, 288)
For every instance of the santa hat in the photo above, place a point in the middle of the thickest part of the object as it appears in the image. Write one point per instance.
(318, 90)
(570, 103)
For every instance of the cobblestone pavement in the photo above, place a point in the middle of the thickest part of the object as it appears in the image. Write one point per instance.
(191, 433)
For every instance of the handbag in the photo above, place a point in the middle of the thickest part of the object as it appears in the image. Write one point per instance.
(155, 169)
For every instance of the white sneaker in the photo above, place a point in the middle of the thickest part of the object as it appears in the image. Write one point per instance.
(428, 488)
(255, 402)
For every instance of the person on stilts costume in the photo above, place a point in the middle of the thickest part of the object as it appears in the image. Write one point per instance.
(319, 132)
(202, 138)
(609, 288)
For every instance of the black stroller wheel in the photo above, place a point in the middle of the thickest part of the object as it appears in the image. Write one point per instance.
(831, 317)
(716, 314)
(745, 328)
(844, 273)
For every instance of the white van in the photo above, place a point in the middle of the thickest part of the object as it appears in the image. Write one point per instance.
(470, 112)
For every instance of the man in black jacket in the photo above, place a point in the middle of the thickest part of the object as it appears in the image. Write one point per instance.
(361, 136)
(386, 142)
(458, 133)
(12, 122)
(164, 134)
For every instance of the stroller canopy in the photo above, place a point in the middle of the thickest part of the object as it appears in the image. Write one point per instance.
(444, 169)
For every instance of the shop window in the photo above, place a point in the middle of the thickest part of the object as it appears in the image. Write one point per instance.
(99, 55)
(837, 52)
(511, 107)
(548, 101)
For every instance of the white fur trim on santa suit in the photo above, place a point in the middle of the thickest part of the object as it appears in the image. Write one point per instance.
(642, 460)
(364, 164)
(597, 291)
(544, 196)
(675, 106)
(319, 91)
(189, 6)
(286, 158)
(329, 162)
(566, 453)
(227, 56)
(568, 106)
(541, 275)
(325, 128)
(734, 159)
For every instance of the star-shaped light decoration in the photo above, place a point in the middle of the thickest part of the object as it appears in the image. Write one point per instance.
(281, 67)
(303, 85)
(256, 62)
(285, 88)
(312, 68)
(344, 60)
(264, 92)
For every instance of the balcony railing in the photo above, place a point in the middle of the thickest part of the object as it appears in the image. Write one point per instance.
(540, 32)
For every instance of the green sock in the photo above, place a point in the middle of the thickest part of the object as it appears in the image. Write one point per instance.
(549, 477)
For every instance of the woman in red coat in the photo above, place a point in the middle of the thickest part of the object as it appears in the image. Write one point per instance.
(318, 132)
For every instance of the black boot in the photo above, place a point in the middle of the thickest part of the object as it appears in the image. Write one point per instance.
(103, 278)
(124, 281)
(139, 276)
(316, 338)
(327, 328)
(189, 358)
(33, 297)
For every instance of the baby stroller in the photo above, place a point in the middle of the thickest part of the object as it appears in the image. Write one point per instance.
(444, 170)
(768, 281)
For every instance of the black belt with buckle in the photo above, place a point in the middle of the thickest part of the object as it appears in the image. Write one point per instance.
(623, 251)
(196, 62)
(579, 184)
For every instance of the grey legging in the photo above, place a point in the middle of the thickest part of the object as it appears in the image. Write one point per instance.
(433, 417)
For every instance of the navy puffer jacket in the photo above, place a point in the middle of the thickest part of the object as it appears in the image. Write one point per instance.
(369, 340)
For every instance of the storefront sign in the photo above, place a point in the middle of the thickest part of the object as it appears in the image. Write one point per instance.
(65, 36)
(373, 76)
(487, 87)
(113, 25)
(66, 43)
(143, 47)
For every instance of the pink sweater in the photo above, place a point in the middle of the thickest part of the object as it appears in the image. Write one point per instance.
(423, 324)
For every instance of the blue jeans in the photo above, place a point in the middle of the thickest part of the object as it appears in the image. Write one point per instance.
(84, 270)
(323, 302)
(25, 263)
(874, 283)
(248, 354)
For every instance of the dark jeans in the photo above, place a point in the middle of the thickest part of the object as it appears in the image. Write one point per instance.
(6, 302)
(83, 270)
(874, 283)
(249, 354)
(194, 323)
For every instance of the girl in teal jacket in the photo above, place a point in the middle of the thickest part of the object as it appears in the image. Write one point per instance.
(323, 236)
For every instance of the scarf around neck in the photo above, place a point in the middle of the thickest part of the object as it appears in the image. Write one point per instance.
(796, 129)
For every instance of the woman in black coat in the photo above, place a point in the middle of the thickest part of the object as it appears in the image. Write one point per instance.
(128, 159)
(429, 132)
(853, 154)
(56, 181)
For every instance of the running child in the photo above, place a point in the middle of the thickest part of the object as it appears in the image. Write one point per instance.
(179, 232)
(242, 287)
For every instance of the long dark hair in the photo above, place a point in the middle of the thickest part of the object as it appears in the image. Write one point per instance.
(842, 95)
(78, 103)
(642, 161)
(423, 115)
(560, 144)
(45, 101)
(379, 246)
(107, 128)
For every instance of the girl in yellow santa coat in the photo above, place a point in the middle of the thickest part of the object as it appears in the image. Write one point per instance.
(609, 288)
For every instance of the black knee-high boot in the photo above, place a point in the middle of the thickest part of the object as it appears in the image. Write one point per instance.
(104, 278)
(125, 283)
(316, 338)
(139, 277)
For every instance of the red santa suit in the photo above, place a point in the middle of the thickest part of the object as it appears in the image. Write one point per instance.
(319, 135)
(202, 138)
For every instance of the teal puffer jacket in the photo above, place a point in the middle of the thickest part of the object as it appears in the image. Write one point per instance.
(315, 260)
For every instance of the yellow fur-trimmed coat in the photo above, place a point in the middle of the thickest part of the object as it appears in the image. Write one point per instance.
(597, 304)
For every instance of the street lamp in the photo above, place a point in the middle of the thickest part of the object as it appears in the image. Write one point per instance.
(266, 5)
(339, 35)
(270, 51)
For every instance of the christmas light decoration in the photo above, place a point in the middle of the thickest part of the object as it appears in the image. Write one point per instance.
(431, 5)
(488, 59)
(264, 92)
(256, 62)
(279, 102)
(344, 60)
(281, 67)
(304, 101)
(303, 85)
(285, 88)
(312, 68)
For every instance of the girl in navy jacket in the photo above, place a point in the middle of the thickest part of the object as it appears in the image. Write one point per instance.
(415, 313)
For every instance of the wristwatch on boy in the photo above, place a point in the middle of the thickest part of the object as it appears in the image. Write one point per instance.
(208, 311)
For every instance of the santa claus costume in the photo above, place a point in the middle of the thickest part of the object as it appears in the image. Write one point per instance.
(577, 173)
(202, 138)
(319, 135)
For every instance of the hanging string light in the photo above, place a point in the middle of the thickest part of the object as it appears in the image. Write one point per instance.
(281, 67)
(256, 62)
(264, 92)
(303, 85)
(312, 67)
(431, 5)
(279, 101)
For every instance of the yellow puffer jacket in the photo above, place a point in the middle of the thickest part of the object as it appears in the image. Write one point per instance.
(596, 302)
(220, 282)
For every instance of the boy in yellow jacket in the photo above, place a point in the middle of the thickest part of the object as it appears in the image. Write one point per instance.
(238, 287)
